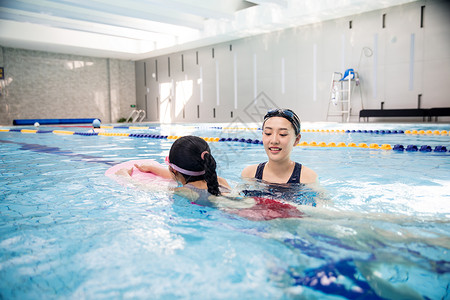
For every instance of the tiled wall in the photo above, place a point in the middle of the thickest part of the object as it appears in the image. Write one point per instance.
(41, 85)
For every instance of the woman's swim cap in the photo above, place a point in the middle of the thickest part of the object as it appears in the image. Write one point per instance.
(287, 114)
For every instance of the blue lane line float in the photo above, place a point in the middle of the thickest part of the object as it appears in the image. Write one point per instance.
(440, 149)
(375, 131)
(86, 133)
(411, 148)
(398, 148)
(44, 131)
(425, 148)
(152, 136)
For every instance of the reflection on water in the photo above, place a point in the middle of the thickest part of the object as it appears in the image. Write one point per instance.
(295, 193)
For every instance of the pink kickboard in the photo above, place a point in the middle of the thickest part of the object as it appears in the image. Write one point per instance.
(136, 175)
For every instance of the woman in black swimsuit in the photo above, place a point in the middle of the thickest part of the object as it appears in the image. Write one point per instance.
(281, 132)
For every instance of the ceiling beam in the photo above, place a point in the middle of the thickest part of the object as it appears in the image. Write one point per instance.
(64, 23)
(14, 33)
(106, 13)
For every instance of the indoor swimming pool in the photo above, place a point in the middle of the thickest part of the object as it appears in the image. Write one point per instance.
(377, 226)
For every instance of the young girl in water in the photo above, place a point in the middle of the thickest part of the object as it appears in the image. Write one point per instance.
(192, 166)
(281, 132)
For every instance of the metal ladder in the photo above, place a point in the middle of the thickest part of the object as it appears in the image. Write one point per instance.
(341, 91)
(136, 115)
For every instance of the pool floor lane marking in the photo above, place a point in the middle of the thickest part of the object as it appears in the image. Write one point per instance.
(58, 151)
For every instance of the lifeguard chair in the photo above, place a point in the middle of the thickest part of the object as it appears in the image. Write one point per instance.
(341, 90)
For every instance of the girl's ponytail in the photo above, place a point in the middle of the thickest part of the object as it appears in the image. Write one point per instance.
(209, 164)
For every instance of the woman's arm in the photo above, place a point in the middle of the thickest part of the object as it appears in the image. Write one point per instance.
(155, 169)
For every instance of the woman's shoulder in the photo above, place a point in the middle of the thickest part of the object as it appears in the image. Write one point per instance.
(249, 171)
(308, 175)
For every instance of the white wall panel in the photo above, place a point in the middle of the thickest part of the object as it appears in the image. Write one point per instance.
(392, 69)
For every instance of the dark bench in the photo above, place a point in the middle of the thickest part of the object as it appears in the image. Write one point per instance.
(438, 112)
(381, 113)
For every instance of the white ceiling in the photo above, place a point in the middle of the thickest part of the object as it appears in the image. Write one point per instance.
(137, 29)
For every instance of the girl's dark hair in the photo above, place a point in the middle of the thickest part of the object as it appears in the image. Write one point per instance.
(186, 152)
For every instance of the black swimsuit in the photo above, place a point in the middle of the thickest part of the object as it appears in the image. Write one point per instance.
(295, 176)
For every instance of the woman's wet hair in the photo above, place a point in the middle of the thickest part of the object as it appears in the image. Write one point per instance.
(193, 153)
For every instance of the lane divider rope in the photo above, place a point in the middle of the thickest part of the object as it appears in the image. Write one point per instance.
(413, 132)
(397, 147)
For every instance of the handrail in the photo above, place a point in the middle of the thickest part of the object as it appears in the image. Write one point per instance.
(130, 117)
(141, 115)
(136, 115)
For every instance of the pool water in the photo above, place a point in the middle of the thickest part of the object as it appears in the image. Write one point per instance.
(380, 229)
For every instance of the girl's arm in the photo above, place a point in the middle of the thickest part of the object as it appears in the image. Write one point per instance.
(223, 182)
(155, 169)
